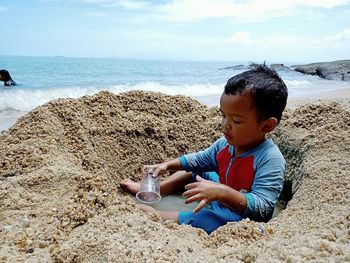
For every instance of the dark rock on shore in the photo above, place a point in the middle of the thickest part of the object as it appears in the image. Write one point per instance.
(336, 70)
(235, 67)
(280, 67)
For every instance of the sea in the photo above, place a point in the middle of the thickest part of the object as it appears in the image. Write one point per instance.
(41, 79)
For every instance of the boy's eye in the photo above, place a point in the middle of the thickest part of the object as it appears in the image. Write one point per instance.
(236, 122)
(222, 114)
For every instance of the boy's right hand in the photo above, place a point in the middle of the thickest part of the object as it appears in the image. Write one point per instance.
(158, 169)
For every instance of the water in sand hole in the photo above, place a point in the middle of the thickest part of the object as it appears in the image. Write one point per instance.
(173, 202)
(176, 202)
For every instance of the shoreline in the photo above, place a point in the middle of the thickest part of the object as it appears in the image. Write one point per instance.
(9, 118)
(340, 95)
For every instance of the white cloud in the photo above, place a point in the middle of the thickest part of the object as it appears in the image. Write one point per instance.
(97, 1)
(253, 10)
(323, 3)
(95, 14)
(127, 4)
(345, 34)
(240, 38)
(132, 4)
(337, 39)
(275, 40)
(279, 40)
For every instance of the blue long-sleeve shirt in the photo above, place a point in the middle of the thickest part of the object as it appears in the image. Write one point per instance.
(258, 173)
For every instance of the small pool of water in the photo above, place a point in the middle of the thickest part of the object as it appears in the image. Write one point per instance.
(174, 202)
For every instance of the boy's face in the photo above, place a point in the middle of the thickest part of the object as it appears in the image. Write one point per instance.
(240, 124)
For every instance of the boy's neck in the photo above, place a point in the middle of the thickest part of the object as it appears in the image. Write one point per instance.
(242, 149)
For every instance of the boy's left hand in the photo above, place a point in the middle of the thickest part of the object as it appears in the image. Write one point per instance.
(204, 191)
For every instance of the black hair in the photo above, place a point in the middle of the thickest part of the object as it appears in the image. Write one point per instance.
(268, 91)
(6, 78)
(5, 74)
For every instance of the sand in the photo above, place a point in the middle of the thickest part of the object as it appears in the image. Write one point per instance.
(61, 164)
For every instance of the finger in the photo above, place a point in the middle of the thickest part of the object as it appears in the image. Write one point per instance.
(189, 193)
(191, 186)
(157, 172)
(201, 204)
(145, 169)
(197, 197)
(149, 169)
(199, 179)
(125, 181)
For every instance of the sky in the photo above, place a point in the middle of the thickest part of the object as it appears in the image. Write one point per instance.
(283, 31)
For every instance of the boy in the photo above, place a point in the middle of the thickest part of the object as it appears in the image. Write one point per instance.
(241, 174)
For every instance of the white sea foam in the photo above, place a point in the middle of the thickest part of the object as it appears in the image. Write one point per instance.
(24, 99)
(298, 83)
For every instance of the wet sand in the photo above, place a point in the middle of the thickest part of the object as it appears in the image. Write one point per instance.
(61, 164)
(9, 118)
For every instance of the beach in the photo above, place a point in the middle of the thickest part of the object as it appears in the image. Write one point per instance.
(61, 165)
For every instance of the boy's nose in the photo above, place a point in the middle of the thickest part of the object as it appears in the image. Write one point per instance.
(224, 123)
(225, 127)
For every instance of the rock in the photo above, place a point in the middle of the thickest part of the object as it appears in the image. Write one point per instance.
(235, 67)
(336, 70)
(347, 77)
(9, 174)
(7, 229)
(280, 67)
(26, 222)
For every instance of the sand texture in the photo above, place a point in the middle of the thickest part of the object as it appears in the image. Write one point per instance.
(61, 164)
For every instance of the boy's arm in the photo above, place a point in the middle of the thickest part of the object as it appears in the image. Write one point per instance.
(266, 188)
(205, 160)
(201, 161)
(232, 198)
(162, 168)
(173, 165)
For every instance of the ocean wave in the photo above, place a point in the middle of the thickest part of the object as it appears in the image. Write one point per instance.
(25, 99)
(298, 83)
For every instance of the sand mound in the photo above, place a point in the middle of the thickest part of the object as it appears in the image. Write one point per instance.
(61, 164)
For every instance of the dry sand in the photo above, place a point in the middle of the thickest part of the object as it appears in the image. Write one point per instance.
(61, 164)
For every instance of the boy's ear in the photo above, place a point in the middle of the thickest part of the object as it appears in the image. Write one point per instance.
(269, 125)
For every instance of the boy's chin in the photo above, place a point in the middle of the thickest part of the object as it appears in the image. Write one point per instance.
(230, 141)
